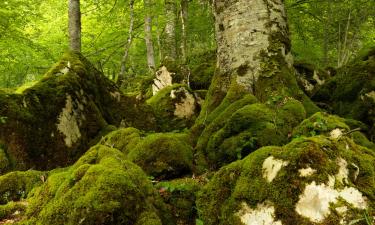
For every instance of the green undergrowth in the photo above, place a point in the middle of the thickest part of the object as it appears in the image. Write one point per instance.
(180, 197)
(221, 200)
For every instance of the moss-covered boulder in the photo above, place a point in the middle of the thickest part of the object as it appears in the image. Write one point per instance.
(315, 180)
(180, 197)
(160, 155)
(175, 107)
(310, 78)
(102, 187)
(351, 93)
(51, 123)
(243, 126)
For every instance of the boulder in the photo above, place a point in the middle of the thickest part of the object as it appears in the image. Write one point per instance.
(175, 107)
(351, 92)
(160, 155)
(51, 123)
(311, 180)
(102, 187)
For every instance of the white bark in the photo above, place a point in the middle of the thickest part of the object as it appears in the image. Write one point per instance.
(148, 36)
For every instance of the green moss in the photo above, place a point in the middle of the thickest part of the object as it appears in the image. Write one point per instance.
(15, 186)
(123, 139)
(243, 181)
(243, 127)
(163, 155)
(348, 91)
(102, 187)
(320, 123)
(180, 196)
(360, 139)
(11, 208)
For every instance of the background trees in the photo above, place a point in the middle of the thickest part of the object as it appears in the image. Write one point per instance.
(34, 34)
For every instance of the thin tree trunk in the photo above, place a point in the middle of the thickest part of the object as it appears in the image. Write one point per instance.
(74, 25)
(148, 36)
(121, 76)
(184, 19)
(169, 40)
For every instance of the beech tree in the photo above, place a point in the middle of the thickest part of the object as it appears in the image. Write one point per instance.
(74, 25)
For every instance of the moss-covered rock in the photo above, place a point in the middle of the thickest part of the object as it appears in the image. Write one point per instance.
(15, 186)
(102, 187)
(310, 78)
(52, 122)
(160, 155)
(320, 123)
(175, 107)
(180, 196)
(315, 180)
(244, 126)
(163, 155)
(351, 93)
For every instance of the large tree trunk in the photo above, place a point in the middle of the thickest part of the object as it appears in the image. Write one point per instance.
(253, 50)
(148, 36)
(169, 48)
(74, 25)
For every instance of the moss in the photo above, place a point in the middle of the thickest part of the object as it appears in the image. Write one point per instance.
(360, 139)
(124, 139)
(180, 196)
(320, 123)
(221, 200)
(166, 103)
(54, 121)
(12, 208)
(102, 187)
(243, 127)
(15, 186)
(348, 92)
(163, 155)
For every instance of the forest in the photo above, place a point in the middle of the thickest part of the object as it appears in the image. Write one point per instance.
(187, 112)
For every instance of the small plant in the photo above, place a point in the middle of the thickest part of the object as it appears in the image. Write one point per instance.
(199, 222)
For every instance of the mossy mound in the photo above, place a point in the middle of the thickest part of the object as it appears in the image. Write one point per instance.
(163, 156)
(160, 155)
(315, 180)
(244, 126)
(180, 196)
(351, 93)
(175, 107)
(52, 122)
(320, 123)
(102, 187)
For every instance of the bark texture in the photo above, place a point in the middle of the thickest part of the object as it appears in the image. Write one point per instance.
(249, 33)
(148, 36)
(75, 25)
(184, 20)
(129, 41)
(169, 49)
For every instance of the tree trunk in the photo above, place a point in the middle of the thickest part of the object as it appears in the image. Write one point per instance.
(253, 54)
(74, 25)
(169, 38)
(184, 19)
(148, 36)
(121, 76)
